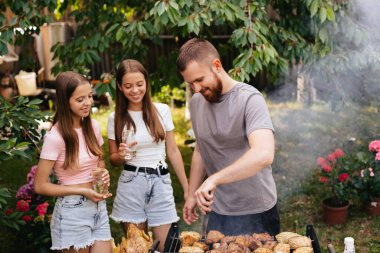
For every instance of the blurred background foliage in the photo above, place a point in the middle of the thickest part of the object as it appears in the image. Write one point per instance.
(262, 35)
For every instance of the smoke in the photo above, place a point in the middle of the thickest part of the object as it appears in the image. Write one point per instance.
(344, 93)
(349, 73)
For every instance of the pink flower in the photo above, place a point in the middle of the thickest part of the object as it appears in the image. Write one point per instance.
(326, 168)
(42, 208)
(377, 158)
(25, 192)
(22, 206)
(338, 153)
(362, 173)
(343, 177)
(31, 174)
(374, 146)
(331, 157)
(27, 218)
(323, 179)
(371, 174)
(8, 212)
(321, 161)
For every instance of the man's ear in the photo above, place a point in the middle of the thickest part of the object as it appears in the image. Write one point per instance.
(217, 65)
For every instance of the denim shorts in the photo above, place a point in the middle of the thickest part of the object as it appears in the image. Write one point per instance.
(268, 221)
(78, 222)
(141, 197)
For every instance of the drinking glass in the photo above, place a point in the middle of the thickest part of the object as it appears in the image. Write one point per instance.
(97, 183)
(128, 137)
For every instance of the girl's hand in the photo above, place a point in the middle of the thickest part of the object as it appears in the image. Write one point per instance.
(106, 177)
(122, 151)
(94, 196)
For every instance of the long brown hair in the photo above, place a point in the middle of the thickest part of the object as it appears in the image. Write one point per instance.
(150, 113)
(67, 82)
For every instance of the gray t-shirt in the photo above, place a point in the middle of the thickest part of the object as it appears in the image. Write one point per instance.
(221, 130)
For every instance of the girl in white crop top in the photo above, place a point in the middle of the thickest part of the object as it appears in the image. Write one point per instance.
(73, 149)
(144, 194)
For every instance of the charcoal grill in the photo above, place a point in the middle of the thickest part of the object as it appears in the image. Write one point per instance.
(173, 243)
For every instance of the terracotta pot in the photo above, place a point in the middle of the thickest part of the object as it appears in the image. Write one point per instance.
(334, 215)
(373, 208)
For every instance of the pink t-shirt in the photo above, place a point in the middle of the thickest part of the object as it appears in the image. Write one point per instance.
(54, 149)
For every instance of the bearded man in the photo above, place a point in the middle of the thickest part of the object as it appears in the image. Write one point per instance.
(234, 147)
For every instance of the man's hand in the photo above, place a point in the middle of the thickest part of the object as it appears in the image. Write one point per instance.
(205, 195)
(189, 212)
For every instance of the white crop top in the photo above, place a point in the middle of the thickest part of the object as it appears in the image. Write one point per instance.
(149, 153)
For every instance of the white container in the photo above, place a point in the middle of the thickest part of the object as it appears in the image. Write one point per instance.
(26, 83)
(349, 246)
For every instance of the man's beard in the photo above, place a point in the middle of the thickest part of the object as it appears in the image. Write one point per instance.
(213, 95)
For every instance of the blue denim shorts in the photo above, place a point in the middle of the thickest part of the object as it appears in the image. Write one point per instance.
(78, 222)
(141, 197)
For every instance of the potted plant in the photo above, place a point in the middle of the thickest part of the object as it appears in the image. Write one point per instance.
(366, 181)
(334, 175)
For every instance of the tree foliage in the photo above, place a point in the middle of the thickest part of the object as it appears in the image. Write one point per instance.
(19, 133)
(264, 34)
(28, 17)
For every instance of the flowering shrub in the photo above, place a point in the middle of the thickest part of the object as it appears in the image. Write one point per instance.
(335, 171)
(8, 217)
(366, 181)
(34, 213)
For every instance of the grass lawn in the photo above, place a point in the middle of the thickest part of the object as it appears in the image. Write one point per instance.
(302, 134)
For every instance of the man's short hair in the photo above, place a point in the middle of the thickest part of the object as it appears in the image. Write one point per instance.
(196, 49)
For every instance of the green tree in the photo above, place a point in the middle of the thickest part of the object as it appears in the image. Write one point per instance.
(265, 34)
(28, 17)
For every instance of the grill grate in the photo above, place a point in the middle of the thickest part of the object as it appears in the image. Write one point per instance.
(173, 243)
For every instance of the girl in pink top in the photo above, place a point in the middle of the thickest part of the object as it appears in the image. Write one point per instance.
(73, 149)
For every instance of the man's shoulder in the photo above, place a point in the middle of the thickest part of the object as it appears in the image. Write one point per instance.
(244, 88)
(196, 98)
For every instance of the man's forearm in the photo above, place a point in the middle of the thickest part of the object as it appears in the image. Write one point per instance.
(197, 172)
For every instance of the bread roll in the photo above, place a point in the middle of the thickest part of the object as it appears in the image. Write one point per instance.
(304, 250)
(299, 241)
(284, 237)
(282, 248)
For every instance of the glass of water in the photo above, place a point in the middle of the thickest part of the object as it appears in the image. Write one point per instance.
(97, 183)
(128, 137)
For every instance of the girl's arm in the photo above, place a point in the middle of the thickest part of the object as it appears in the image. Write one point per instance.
(43, 186)
(175, 158)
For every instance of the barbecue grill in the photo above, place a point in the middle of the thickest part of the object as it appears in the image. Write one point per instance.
(173, 243)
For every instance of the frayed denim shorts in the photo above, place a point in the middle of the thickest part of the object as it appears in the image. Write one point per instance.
(78, 222)
(141, 197)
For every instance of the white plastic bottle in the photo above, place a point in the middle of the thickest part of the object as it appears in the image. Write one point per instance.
(349, 246)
